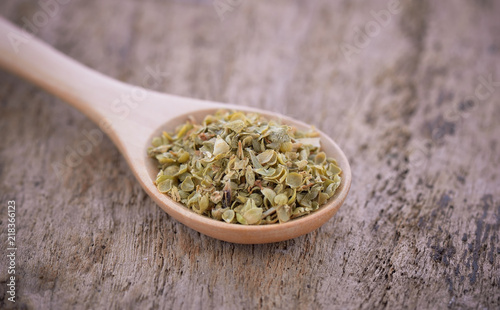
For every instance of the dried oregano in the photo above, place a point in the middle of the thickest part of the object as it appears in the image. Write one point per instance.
(242, 168)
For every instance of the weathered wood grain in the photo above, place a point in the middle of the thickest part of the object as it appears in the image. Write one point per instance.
(411, 107)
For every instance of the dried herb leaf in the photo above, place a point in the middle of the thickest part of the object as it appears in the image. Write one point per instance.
(228, 216)
(242, 168)
(294, 180)
(220, 146)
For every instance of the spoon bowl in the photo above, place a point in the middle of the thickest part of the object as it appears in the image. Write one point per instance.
(249, 233)
(131, 116)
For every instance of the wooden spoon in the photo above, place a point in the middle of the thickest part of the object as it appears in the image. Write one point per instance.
(131, 116)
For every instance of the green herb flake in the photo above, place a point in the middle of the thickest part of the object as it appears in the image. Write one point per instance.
(244, 169)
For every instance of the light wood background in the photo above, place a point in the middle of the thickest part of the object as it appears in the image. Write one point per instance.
(414, 105)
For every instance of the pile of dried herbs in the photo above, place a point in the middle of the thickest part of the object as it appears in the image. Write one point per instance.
(242, 168)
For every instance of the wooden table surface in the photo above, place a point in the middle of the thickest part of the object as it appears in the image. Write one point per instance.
(409, 90)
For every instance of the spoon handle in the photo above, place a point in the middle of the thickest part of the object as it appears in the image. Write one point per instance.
(128, 114)
(85, 89)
